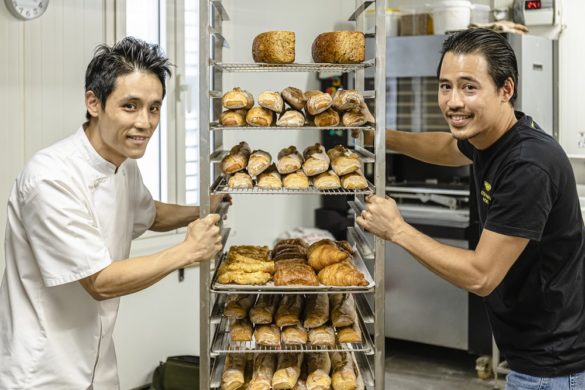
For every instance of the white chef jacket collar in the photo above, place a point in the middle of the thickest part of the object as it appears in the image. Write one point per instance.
(100, 163)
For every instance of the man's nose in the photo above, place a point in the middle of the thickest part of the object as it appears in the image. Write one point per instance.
(455, 99)
(143, 120)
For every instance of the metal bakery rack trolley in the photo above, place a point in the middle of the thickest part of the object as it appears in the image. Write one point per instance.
(369, 257)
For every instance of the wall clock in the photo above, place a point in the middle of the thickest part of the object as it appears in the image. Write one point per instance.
(27, 9)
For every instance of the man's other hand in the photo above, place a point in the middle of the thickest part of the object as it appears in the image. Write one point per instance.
(203, 238)
(216, 200)
(381, 217)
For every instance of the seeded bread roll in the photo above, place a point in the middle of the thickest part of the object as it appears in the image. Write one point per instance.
(274, 47)
(339, 47)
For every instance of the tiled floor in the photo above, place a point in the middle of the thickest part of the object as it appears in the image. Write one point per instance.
(412, 366)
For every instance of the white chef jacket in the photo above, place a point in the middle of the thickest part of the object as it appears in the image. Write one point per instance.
(70, 214)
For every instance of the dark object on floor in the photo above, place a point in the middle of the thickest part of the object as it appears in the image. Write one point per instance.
(177, 373)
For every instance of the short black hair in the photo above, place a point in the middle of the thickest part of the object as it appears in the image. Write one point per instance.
(495, 49)
(124, 57)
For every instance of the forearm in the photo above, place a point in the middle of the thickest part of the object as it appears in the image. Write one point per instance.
(173, 216)
(453, 264)
(128, 276)
(438, 148)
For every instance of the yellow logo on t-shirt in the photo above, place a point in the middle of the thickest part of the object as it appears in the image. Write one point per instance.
(485, 196)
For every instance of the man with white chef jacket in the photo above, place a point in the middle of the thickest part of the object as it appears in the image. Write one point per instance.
(72, 214)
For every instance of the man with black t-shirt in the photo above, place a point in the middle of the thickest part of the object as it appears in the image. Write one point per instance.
(529, 264)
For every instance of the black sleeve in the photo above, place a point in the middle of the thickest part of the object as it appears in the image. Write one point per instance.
(466, 148)
(521, 201)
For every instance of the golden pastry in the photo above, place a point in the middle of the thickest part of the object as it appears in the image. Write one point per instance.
(326, 252)
(342, 274)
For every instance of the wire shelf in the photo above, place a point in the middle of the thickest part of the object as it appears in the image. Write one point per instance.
(295, 67)
(214, 126)
(270, 288)
(222, 343)
(220, 187)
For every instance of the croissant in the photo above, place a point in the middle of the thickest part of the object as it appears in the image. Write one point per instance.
(263, 370)
(317, 103)
(259, 160)
(326, 252)
(289, 160)
(272, 101)
(342, 274)
(328, 117)
(240, 180)
(259, 116)
(236, 159)
(269, 179)
(291, 118)
(233, 118)
(347, 99)
(237, 98)
(294, 97)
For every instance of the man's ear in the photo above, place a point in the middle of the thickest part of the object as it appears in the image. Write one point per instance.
(507, 90)
(92, 103)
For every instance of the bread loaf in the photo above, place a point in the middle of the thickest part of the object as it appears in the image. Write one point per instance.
(267, 335)
(274, 47)
(233, 118)
(327, 118)
(318, 102)
(316, 160)
(342, 309)
(263, 310)
(258, 161)
(238, 305)
(264, 367)
(294, 335)
(347, 99)
(288, 370)
(240, 180)
(237, 98)
(322, 336)
(289, 160)
(354, 181)
(344, 374)
(339, 47)
(327, 181)
(269, 179)
(289, 310)
(316, 310)
(272, 101)
(233, 371)
(291, 118)
(241, 330)
(236, 159)
(296, 181)
(294, 97)
(259, 116)
(318, 369)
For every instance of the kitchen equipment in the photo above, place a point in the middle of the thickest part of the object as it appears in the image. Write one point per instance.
(451, 15)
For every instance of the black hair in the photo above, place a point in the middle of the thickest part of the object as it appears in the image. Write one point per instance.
(495, 49)
(124, 57)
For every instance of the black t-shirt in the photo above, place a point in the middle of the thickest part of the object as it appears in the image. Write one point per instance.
(526, 188)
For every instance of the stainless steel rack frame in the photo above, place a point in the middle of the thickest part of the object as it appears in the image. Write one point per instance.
(211, 43)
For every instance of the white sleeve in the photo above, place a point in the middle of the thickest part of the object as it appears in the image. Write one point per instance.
(144, 209)
(63, 233)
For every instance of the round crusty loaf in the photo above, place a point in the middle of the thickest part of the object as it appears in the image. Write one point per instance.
(274, 47)
(339, 47)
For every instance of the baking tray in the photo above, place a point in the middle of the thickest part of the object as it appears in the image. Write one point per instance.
(222, 343)
(270, 288)
(215, 126)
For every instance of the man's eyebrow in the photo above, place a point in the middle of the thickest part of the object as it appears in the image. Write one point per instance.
(132, 97)
(464, 78)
